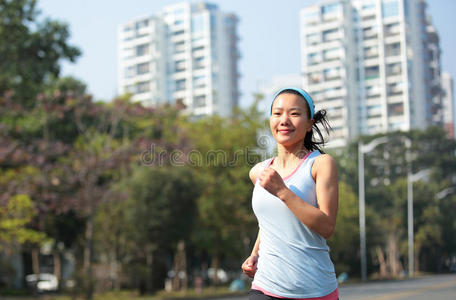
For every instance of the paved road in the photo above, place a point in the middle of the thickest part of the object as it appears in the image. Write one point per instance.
(436, 287)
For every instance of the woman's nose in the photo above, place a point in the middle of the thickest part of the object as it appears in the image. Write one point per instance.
(284, 119)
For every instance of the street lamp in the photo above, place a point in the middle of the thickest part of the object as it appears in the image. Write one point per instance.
(362, 207)
(411, 178)
(442, 194)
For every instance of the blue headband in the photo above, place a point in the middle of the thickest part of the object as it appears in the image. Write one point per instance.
(303, 94)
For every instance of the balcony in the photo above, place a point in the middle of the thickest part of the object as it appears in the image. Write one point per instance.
(332, 74)
(371, 54)
(334, 93)
(394, 90)
(314, 60)
(332, 36)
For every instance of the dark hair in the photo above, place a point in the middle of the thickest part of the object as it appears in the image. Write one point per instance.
(310, 143)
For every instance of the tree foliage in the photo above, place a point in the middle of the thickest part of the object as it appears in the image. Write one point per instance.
(30, 50)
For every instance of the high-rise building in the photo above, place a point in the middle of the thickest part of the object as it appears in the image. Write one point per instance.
(186, 54)
(374, 65)
(449, 109)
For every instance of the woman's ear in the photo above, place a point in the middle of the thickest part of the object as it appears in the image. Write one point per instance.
(312, 121)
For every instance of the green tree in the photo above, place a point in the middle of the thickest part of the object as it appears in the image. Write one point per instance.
(161, 209)
(386, 194)
(346, 236)
(30, 50)
(227, 149)
(14, 220)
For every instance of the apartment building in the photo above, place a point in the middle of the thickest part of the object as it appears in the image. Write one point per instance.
(449, 109)
(186, 54)
(374, 65)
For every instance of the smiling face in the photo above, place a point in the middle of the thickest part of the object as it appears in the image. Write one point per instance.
(289, 121)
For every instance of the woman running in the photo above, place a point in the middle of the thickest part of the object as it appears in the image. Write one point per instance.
(295, 200)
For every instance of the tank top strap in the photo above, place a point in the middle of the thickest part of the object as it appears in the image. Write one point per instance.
(306, 168)
(266, 163)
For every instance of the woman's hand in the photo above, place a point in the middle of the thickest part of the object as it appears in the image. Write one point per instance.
(249, 267)
(271, 181)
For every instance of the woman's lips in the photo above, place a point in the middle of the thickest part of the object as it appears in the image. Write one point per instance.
(284, 131)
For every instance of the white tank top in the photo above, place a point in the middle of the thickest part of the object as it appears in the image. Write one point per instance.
(293, 260)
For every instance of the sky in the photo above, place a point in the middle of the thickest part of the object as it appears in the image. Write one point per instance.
(268, 30)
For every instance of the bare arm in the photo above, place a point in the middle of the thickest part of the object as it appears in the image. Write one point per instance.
(321, 219)
(249, 267)
(254, 172)
(256, 247)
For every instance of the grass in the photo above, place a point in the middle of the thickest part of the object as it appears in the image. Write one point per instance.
(208, 292)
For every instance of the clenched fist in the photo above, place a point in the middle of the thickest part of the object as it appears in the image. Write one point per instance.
(271, 181)
(249, 267)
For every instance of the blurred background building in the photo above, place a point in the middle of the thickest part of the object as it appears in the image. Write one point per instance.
(374, 65)
(448, 104)
(186, 54)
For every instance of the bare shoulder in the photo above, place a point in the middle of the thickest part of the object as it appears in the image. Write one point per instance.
(325, 160)
(325, 164)
(255, 172)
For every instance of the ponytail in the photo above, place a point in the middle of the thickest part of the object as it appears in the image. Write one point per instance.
(310, 143)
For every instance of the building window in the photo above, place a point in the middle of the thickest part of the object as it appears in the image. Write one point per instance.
(313, 58)
(143, 68)
(368, 6)
(392, 29)
(313, 14)
(198, 48)
(314, 78)
(142, 50)
(179, 66)
(374, 110)
(197, 23)
(130, 72)
(392, 49)
(393, 69)
(179, 11)
(199, 81)
(332, 73)
(330, 8)
(396, 125)
(142, 24)
(371, 72)
(180, 84)
(312, 39)
(331, 54)
(200, 101)
(199, 62)
(390, 9)
(142, 87)
(332, 93)
(330, 35)
(130, 89)
(394, 89)
(179, 47)
(179, 32)
(396, 109)
(370, 32)
(370, 52)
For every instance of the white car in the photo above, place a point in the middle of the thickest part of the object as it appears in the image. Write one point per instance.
(43, 282)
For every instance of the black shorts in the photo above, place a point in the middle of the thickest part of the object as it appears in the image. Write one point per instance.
(258, 295)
